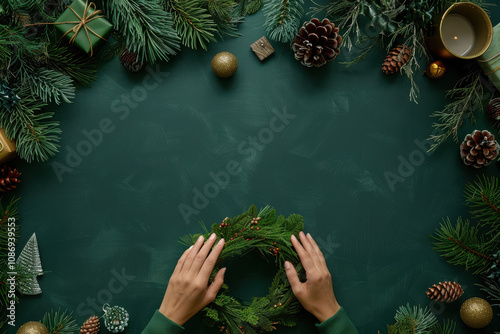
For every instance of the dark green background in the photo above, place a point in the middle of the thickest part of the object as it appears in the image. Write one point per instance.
(118, 209)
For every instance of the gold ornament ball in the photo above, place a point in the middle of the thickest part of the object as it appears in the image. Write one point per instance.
(33, 327)
(435, 70)
(224, 64)
(476, 312)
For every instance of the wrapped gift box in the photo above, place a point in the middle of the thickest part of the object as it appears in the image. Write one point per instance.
(490, 60)
(81, 15)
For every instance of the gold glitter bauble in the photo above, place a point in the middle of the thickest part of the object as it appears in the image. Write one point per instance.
(33, 327)
(476, 312)
(435, 70)
(224, 64)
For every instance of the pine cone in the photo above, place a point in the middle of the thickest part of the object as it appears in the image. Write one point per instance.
(9, 178)
(445, 292)
(479, 148)
(131, 61)
(396, 58)
(317, 43)
(91, 326)
(493, 109)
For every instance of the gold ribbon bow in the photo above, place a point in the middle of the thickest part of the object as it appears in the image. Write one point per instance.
(82, 23)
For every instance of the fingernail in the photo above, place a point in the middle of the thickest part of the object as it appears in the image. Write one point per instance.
(287, 265)
(302, 234)
(212, 236)
(200, 238)
(223, 271)
(221, 241)
(294, 237)
(309, 235)
(190, 247)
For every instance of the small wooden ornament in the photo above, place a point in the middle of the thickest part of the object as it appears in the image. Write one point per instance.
(262, 48)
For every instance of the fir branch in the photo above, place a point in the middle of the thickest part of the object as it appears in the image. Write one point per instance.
(283, 19)
(467, 95)
(483, 197)
(148, 29)
(245, 7)
(49, 84)
(193, 22)
(462, 245)
(228, 27)
(60, 323)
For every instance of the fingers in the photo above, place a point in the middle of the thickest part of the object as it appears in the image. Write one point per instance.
(192, 253)
(320, 255)
(214, 288)
(211, 260)
(182, 259)
(200, 258)
(305, 257)
(293, 277)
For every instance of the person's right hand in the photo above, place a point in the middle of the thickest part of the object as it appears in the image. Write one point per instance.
(316, 294)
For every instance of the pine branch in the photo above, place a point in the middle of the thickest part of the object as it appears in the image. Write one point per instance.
(483, 197)
(462, 245)
(283, 19)
(228, 28)
(193, 22)
(79, 67)
(467, 100)
(60, 323)
(148, 29)
(36, 135)
(49, 84)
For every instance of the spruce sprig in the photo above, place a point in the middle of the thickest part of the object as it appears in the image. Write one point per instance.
(492, 288)
(60, 323)
(268, 234)
(50, 85)
(464, 245)
(283, 18)
(148, 29)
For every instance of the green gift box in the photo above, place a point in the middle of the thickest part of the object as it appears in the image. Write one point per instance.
(490, 60)
(89, 25)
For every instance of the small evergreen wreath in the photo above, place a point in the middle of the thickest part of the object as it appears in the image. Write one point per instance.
(262, 231)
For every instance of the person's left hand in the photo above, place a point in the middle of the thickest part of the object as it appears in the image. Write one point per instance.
(188, 290)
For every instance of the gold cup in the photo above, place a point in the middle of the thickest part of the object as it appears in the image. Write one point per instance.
(481, 27)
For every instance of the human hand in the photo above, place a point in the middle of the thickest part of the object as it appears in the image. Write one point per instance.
(316, 294)
(187, 291)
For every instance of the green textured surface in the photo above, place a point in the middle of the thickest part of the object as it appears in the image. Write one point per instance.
(118, 208)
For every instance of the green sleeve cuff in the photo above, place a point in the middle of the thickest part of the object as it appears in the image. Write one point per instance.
(160, 324)
(339, 323)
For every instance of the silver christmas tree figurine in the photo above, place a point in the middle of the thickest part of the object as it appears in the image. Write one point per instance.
(30, 266)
